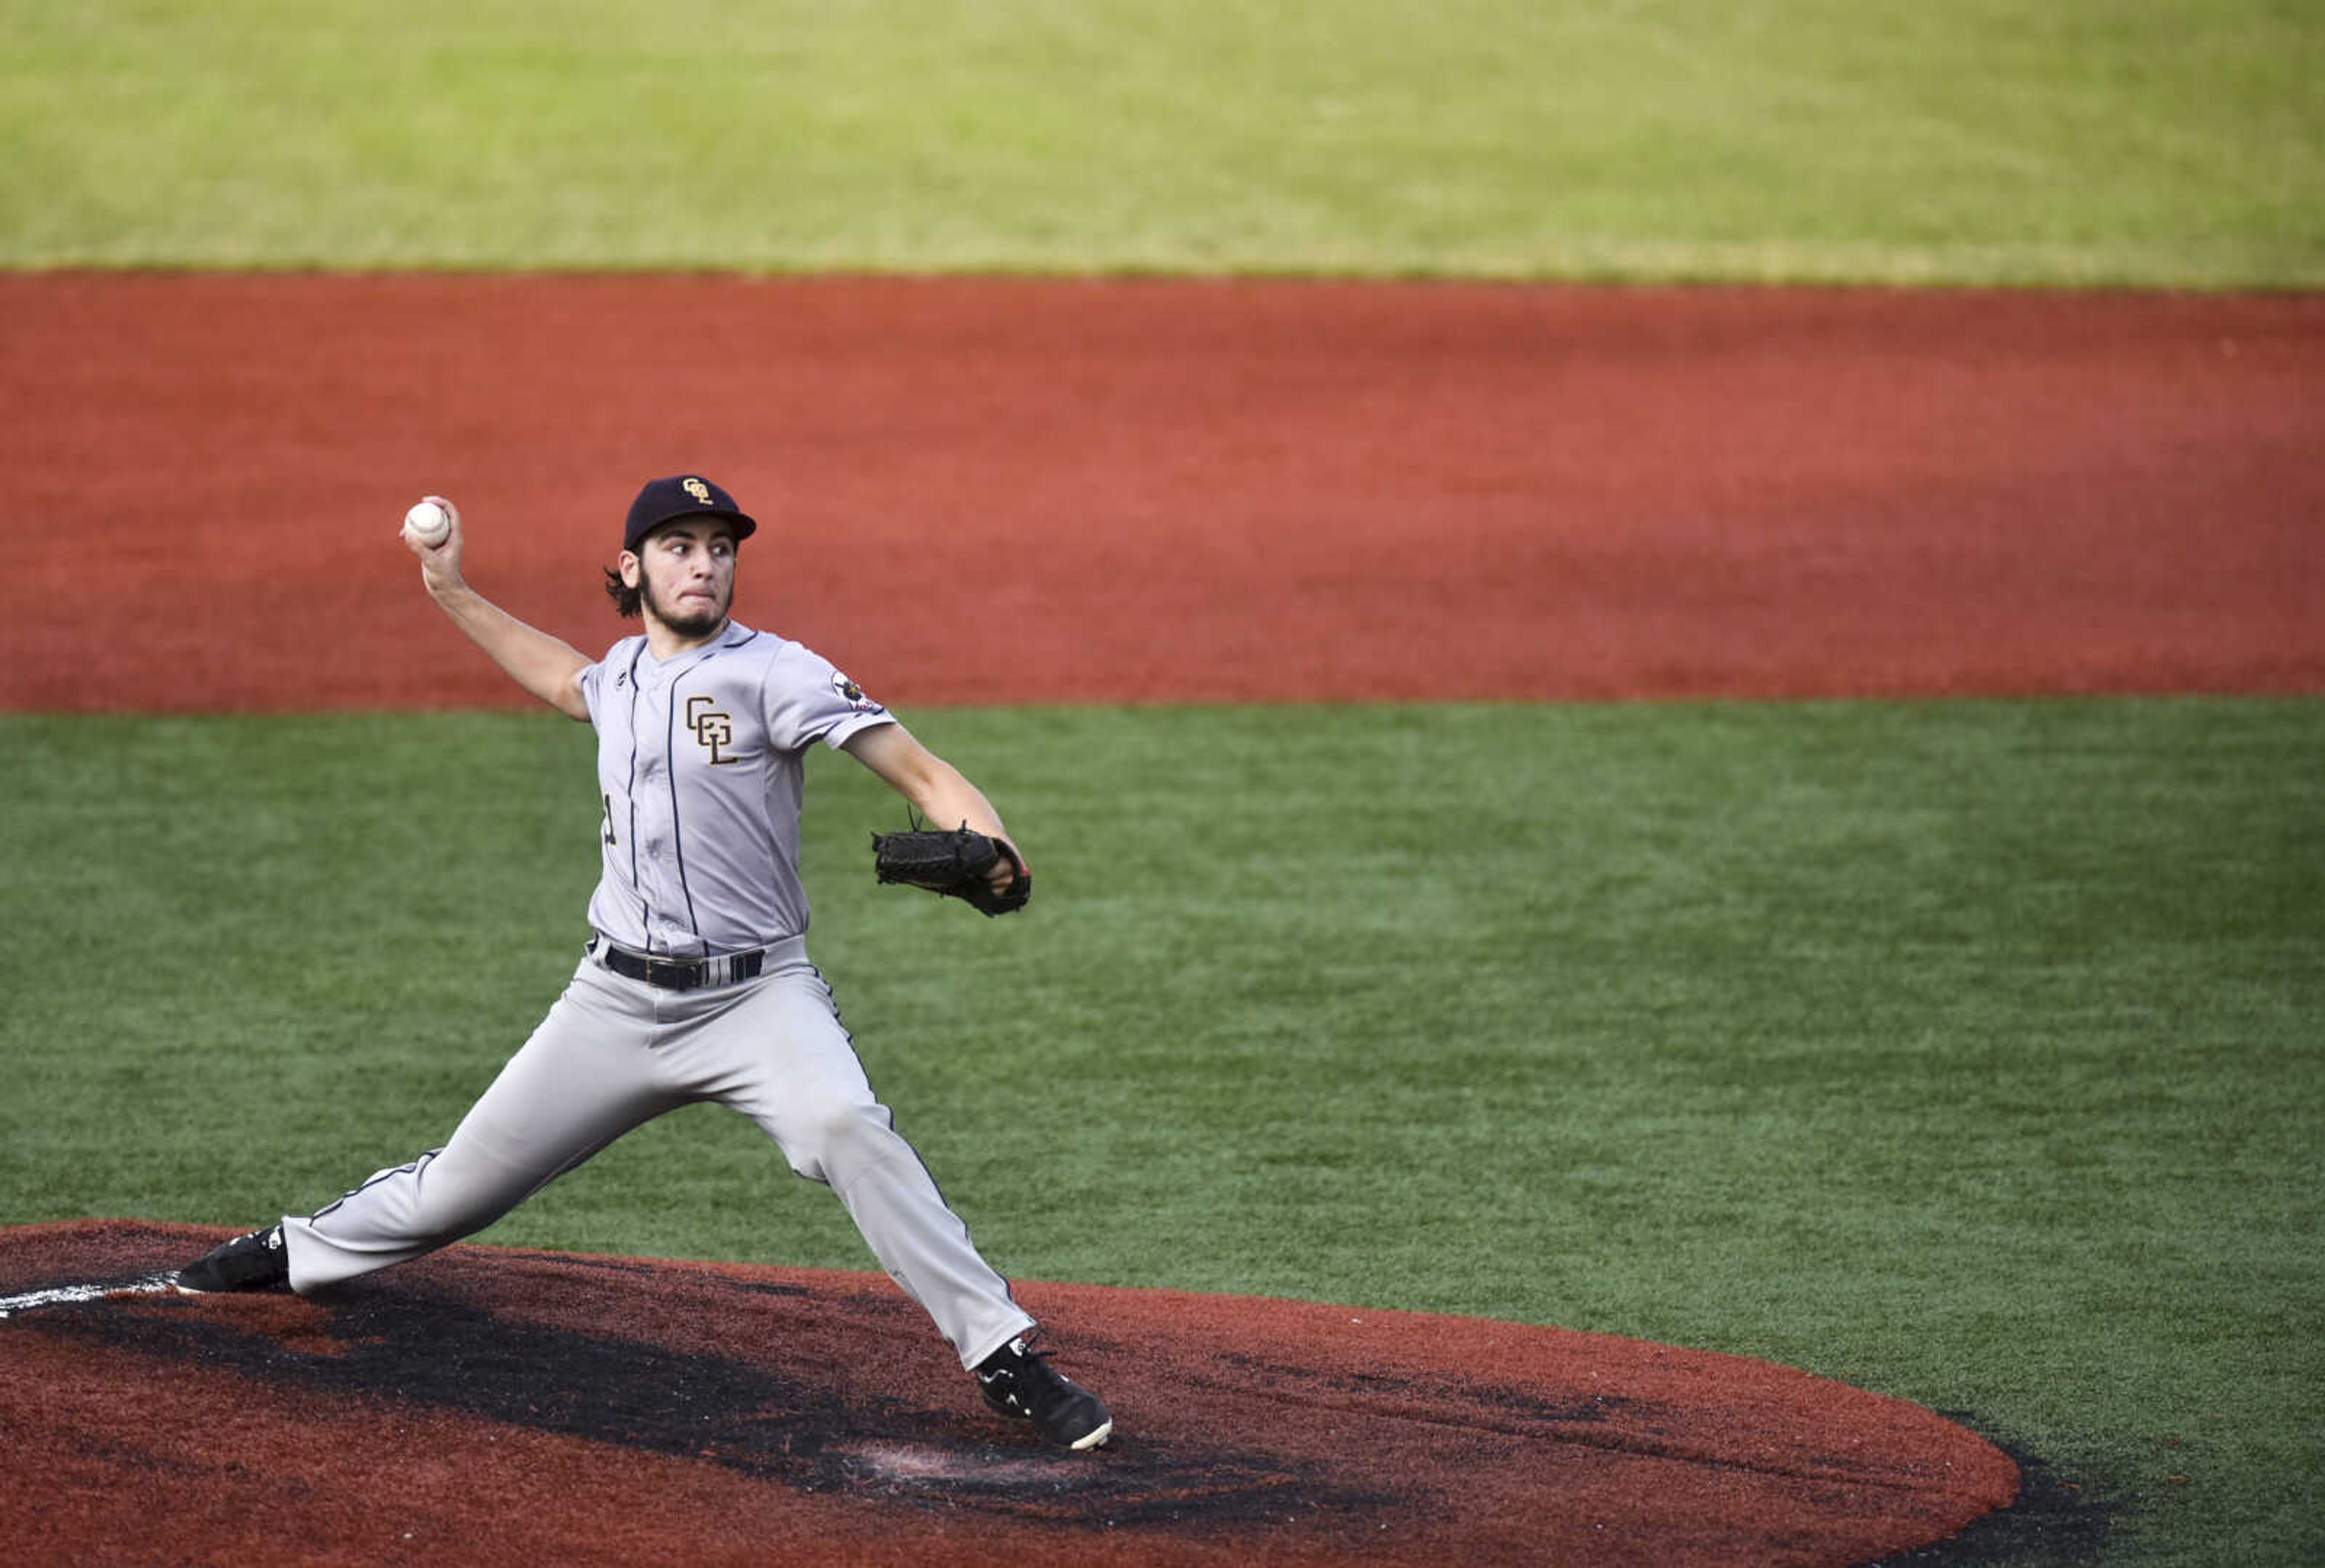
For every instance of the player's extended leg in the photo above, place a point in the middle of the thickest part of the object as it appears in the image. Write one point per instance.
(583, 1079)
(778, 1054)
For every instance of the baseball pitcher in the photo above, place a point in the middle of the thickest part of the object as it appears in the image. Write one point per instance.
(696, 984)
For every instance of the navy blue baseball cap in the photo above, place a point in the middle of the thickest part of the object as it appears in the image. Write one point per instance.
(682, 495)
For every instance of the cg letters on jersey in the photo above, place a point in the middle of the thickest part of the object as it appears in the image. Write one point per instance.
(713, 730)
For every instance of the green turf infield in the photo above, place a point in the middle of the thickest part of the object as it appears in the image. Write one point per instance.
(1974, 1053)
(2173, 143)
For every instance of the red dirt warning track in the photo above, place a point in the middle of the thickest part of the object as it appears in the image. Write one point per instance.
(1014, 491)
(498, 1406)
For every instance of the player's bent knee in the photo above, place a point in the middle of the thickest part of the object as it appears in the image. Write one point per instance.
(826, 1143)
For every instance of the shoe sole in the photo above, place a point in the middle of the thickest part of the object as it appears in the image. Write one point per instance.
(1096, 1438)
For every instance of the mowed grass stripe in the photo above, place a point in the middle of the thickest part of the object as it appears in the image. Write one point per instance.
(2174, 143)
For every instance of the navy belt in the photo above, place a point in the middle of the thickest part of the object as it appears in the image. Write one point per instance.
(678, 974)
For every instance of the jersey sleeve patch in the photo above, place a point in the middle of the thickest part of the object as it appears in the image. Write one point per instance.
(853, 695)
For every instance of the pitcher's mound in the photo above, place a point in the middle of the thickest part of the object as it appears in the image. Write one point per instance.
(487, 1404)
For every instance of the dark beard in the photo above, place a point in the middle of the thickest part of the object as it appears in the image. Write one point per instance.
(691, 624)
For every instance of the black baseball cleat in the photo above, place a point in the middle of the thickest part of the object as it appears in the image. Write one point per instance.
(1017, 1380)
(253, 1262)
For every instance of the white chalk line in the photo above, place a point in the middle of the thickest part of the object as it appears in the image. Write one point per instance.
(70, 1295)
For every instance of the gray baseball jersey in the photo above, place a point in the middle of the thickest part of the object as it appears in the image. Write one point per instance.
(697, 987)
(700, 766)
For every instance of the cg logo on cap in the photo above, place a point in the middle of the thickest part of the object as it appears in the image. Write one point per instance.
(680, 496)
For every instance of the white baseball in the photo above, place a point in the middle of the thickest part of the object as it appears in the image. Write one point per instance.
(428, 522)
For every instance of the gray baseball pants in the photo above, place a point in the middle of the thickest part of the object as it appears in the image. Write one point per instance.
(613, 1054)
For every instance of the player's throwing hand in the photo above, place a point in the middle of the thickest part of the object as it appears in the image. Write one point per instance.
(431, 531)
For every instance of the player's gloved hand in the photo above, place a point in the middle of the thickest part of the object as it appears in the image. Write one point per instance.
(961, 863)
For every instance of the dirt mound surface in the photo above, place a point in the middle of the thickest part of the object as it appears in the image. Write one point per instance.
(495, 1406)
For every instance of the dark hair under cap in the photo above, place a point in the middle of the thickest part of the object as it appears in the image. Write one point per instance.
(681, 495)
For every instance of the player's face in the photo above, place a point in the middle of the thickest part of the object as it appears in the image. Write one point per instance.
(685, 576)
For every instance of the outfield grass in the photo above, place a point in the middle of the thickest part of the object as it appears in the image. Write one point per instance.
(1973, 1053)
(2151, 142)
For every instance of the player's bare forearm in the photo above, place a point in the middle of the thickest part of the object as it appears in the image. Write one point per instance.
(548, 667)
(936, 788)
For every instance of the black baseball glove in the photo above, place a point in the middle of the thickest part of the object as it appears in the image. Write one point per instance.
(956, 862)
